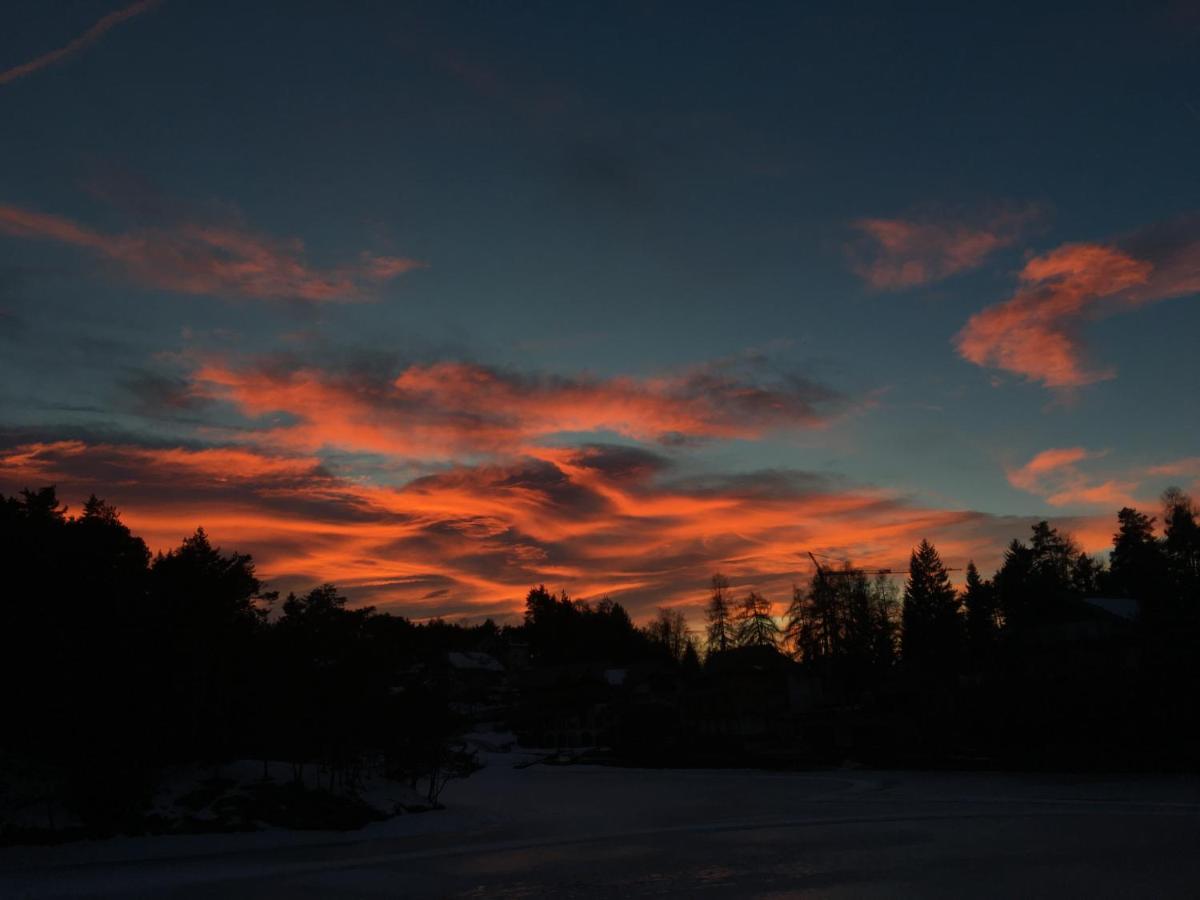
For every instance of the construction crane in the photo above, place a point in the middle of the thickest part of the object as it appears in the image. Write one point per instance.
(825, 570)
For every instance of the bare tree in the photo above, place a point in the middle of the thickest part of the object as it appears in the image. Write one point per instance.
(756, 626)
(669, 629)
(720, 634)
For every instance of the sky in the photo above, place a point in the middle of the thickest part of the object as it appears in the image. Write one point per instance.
(439, 301)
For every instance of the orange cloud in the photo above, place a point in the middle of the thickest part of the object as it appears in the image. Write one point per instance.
(1056, 475)
(88, 37)
(903, 253)
(1028, 476)
(1032, 333)
(211, 260)
(448, 409)
(1035, 332)
(599, 519)
(1188, 467)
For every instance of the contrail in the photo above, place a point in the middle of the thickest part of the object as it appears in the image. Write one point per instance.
(90, 36)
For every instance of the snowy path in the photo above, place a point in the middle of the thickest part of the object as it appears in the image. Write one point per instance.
(591, 831)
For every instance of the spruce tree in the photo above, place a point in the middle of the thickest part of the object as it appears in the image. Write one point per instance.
(979, 598)
(1136, 559)
(1181, 533)
(932, 627)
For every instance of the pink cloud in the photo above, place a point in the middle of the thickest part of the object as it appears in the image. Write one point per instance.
(903, 253)
(212, 260)
(1028, 476)
(84, 40)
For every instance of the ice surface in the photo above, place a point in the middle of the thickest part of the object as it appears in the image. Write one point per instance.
(595, 831)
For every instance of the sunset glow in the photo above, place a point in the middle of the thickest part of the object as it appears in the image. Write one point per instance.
(457, 314)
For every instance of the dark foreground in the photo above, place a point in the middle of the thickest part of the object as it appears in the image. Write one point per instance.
(591, 831)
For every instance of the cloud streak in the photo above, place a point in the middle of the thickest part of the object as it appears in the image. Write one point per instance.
(447, 409)
(597, 519)
(1055, 476)
(213, 260)
(1060, 476)
(902, 253)
(89, 37)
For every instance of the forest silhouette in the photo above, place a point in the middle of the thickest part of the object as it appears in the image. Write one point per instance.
(120, 664)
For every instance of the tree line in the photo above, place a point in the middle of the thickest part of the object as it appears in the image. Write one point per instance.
(845, 616)
(1056, 659)
(1055, 652)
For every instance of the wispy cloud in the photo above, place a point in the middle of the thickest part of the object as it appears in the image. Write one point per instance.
(1055, 476)
(448, 409)
(83, 41)
(1035, 333)
(217, 260)
(902, 253)
(1074, 476)
(1053, 460)
(1187, 467)
(597, 519)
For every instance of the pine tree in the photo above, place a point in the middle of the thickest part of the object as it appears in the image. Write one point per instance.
(1054, 557)
(1012, 585)
(979, 598)
(1135, 554)
(1086, 575)
(932, 627)
(1181, 532)
(1036, 579)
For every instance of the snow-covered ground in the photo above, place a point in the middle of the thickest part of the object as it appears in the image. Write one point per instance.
(596, 831)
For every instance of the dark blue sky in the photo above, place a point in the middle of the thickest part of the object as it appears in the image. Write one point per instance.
(942, 262)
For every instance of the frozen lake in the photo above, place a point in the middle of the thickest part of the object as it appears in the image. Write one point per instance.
(595, 831)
